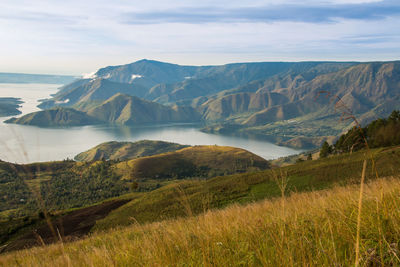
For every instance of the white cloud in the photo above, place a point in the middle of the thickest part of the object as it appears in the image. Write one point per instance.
(74, 37)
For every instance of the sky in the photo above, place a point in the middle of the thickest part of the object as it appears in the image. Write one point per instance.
(79, 36)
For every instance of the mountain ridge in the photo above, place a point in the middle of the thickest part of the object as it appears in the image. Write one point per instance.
(258, 97)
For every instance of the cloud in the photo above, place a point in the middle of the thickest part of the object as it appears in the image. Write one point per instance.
(80, 36)
(310, 13)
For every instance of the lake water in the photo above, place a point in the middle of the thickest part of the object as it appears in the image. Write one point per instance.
(23, 144)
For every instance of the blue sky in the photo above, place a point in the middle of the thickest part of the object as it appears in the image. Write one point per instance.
(75, 37)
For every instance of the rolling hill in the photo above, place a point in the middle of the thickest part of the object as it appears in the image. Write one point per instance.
(192, 197)
(318, 227)
(127, 150)
(196, 161)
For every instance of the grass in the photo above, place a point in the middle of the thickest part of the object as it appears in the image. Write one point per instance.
(196, 161)
(304, 229)
(219, 192)
(194, 197)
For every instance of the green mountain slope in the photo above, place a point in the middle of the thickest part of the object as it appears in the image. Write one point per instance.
(174, 200)
(67, 184)
(310, 228)
(196, 196)
(127, 150)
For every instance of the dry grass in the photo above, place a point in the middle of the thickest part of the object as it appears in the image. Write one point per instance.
(313, 229)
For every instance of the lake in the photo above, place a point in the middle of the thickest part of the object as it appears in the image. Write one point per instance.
(24, 144)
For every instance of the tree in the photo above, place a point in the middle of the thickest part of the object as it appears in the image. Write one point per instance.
(326, 149)
(309, 156)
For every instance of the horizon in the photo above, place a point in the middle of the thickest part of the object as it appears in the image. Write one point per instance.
(248, 62)
(77, 37)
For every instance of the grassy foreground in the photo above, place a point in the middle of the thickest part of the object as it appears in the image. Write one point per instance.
(313, 229)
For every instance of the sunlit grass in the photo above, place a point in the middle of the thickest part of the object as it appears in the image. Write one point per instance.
(305, 229)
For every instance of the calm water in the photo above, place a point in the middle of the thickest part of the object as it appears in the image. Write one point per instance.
(22, 144)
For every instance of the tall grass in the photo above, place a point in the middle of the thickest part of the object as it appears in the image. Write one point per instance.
(35, 191)
(319, 229)
(347, 114)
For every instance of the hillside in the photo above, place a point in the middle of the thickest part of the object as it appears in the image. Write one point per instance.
(95, 90)
(196, 161)
(171, 83)
(9, 106)
(69, 184)
(303, 108)
(129, 110)
(379, 133)
(214, 236)
(170, 201)
(166, 202)
(56, 117)
(127, 150)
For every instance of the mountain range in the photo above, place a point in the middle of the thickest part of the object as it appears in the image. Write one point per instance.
(281, 100)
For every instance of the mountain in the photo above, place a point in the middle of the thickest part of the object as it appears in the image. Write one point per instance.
(361, 87)
(284, 101)
(293, 107)
(55, 117)
(129, 110)
(91, 90)
(148, 73)
(119, 109)
(35, 78)
(127, 150)
(170, 83)
(9, 106)
(196, 161)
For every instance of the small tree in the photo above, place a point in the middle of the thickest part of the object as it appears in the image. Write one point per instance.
(326, 149)
(309, 156)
